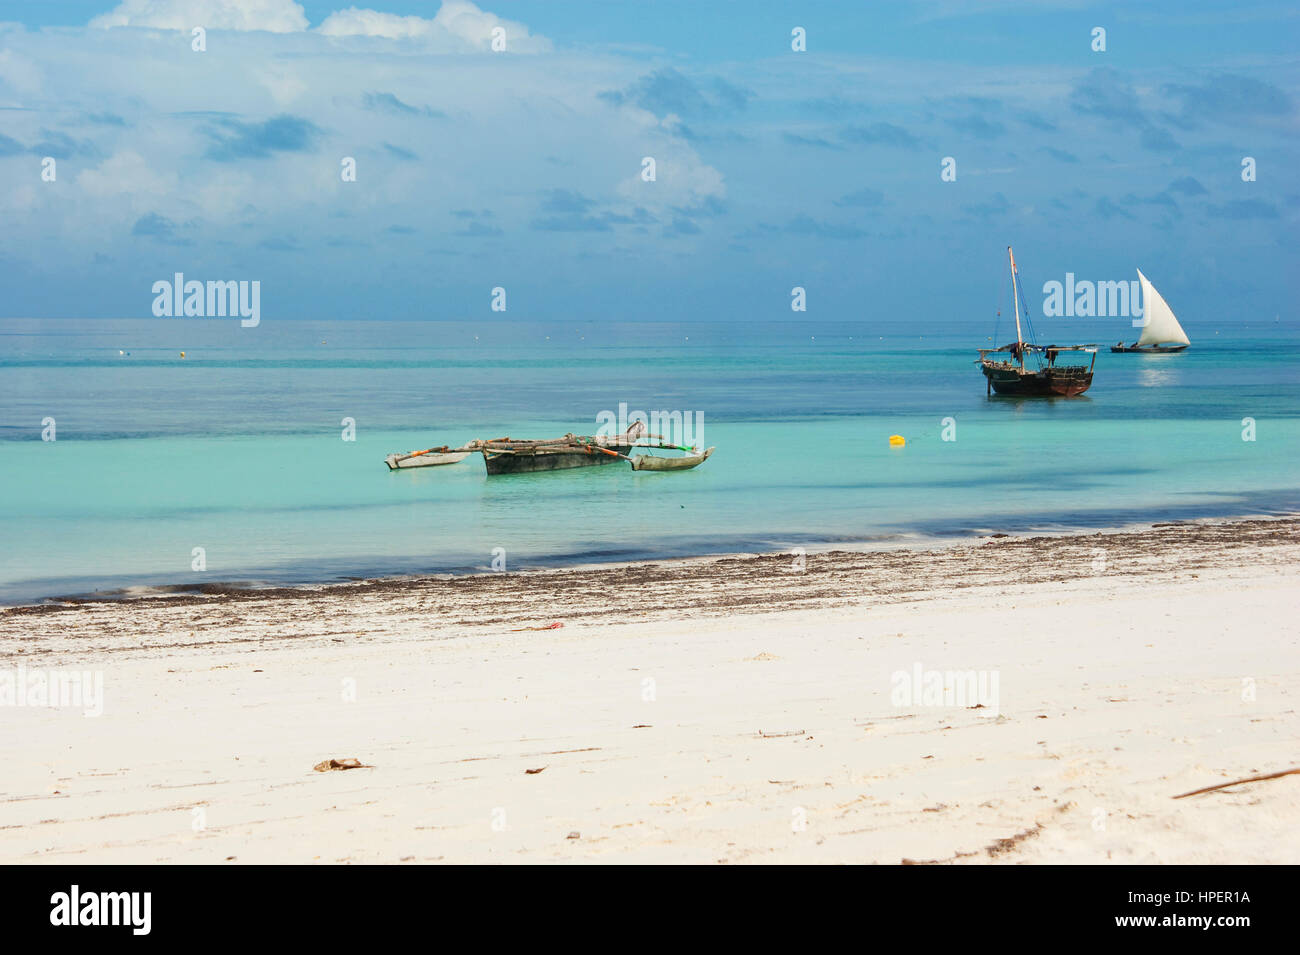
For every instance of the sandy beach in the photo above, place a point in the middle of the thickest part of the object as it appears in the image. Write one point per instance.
(732, 710)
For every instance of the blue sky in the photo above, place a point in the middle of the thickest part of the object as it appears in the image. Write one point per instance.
(521, 168)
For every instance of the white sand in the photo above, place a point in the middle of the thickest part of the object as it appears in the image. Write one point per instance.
(1117, 691)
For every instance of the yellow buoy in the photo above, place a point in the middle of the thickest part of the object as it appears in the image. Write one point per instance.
(897, 441)
(182, 354)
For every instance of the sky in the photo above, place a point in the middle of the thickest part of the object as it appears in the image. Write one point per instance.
(522, 168)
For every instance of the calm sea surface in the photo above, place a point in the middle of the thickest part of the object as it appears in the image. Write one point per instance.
(237, 448)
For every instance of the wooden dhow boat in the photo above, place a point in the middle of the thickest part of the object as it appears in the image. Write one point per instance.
(508, 456)
(1045, 378)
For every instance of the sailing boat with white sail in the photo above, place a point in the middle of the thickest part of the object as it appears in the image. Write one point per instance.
(1161, 331)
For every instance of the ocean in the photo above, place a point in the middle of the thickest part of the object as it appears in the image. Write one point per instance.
(230, 465)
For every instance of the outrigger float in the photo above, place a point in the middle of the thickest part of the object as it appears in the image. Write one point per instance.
(511, 456)
(428, 458)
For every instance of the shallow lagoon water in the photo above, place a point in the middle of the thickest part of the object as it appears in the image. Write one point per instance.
(237, 448)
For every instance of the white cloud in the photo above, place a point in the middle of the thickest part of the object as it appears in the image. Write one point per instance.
(151, 132)
(682, 178)
(274, 16)
(283, 85)
(458, 25)
(125, 172)
(23, 198)
(20, 73)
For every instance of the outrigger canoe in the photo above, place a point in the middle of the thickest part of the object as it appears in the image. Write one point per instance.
(510, 456)
(428, 458)
(654, 462)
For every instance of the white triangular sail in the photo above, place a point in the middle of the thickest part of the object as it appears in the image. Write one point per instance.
(1161, 327)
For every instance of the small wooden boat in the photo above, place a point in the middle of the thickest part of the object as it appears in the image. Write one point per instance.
(1160, 330)
(1148, 349)
(654, 462)
(428, 458)
(1044, 379)
(508, 456)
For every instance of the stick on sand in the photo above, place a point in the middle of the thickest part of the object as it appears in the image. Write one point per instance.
(1238, 782)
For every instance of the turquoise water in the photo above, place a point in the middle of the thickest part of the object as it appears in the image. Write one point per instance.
(237, 448)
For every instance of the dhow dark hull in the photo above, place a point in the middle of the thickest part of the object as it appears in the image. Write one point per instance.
(1037, 384)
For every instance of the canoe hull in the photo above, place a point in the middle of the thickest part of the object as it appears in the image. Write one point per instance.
(402, 462)
(649, 462)
(541, 459)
